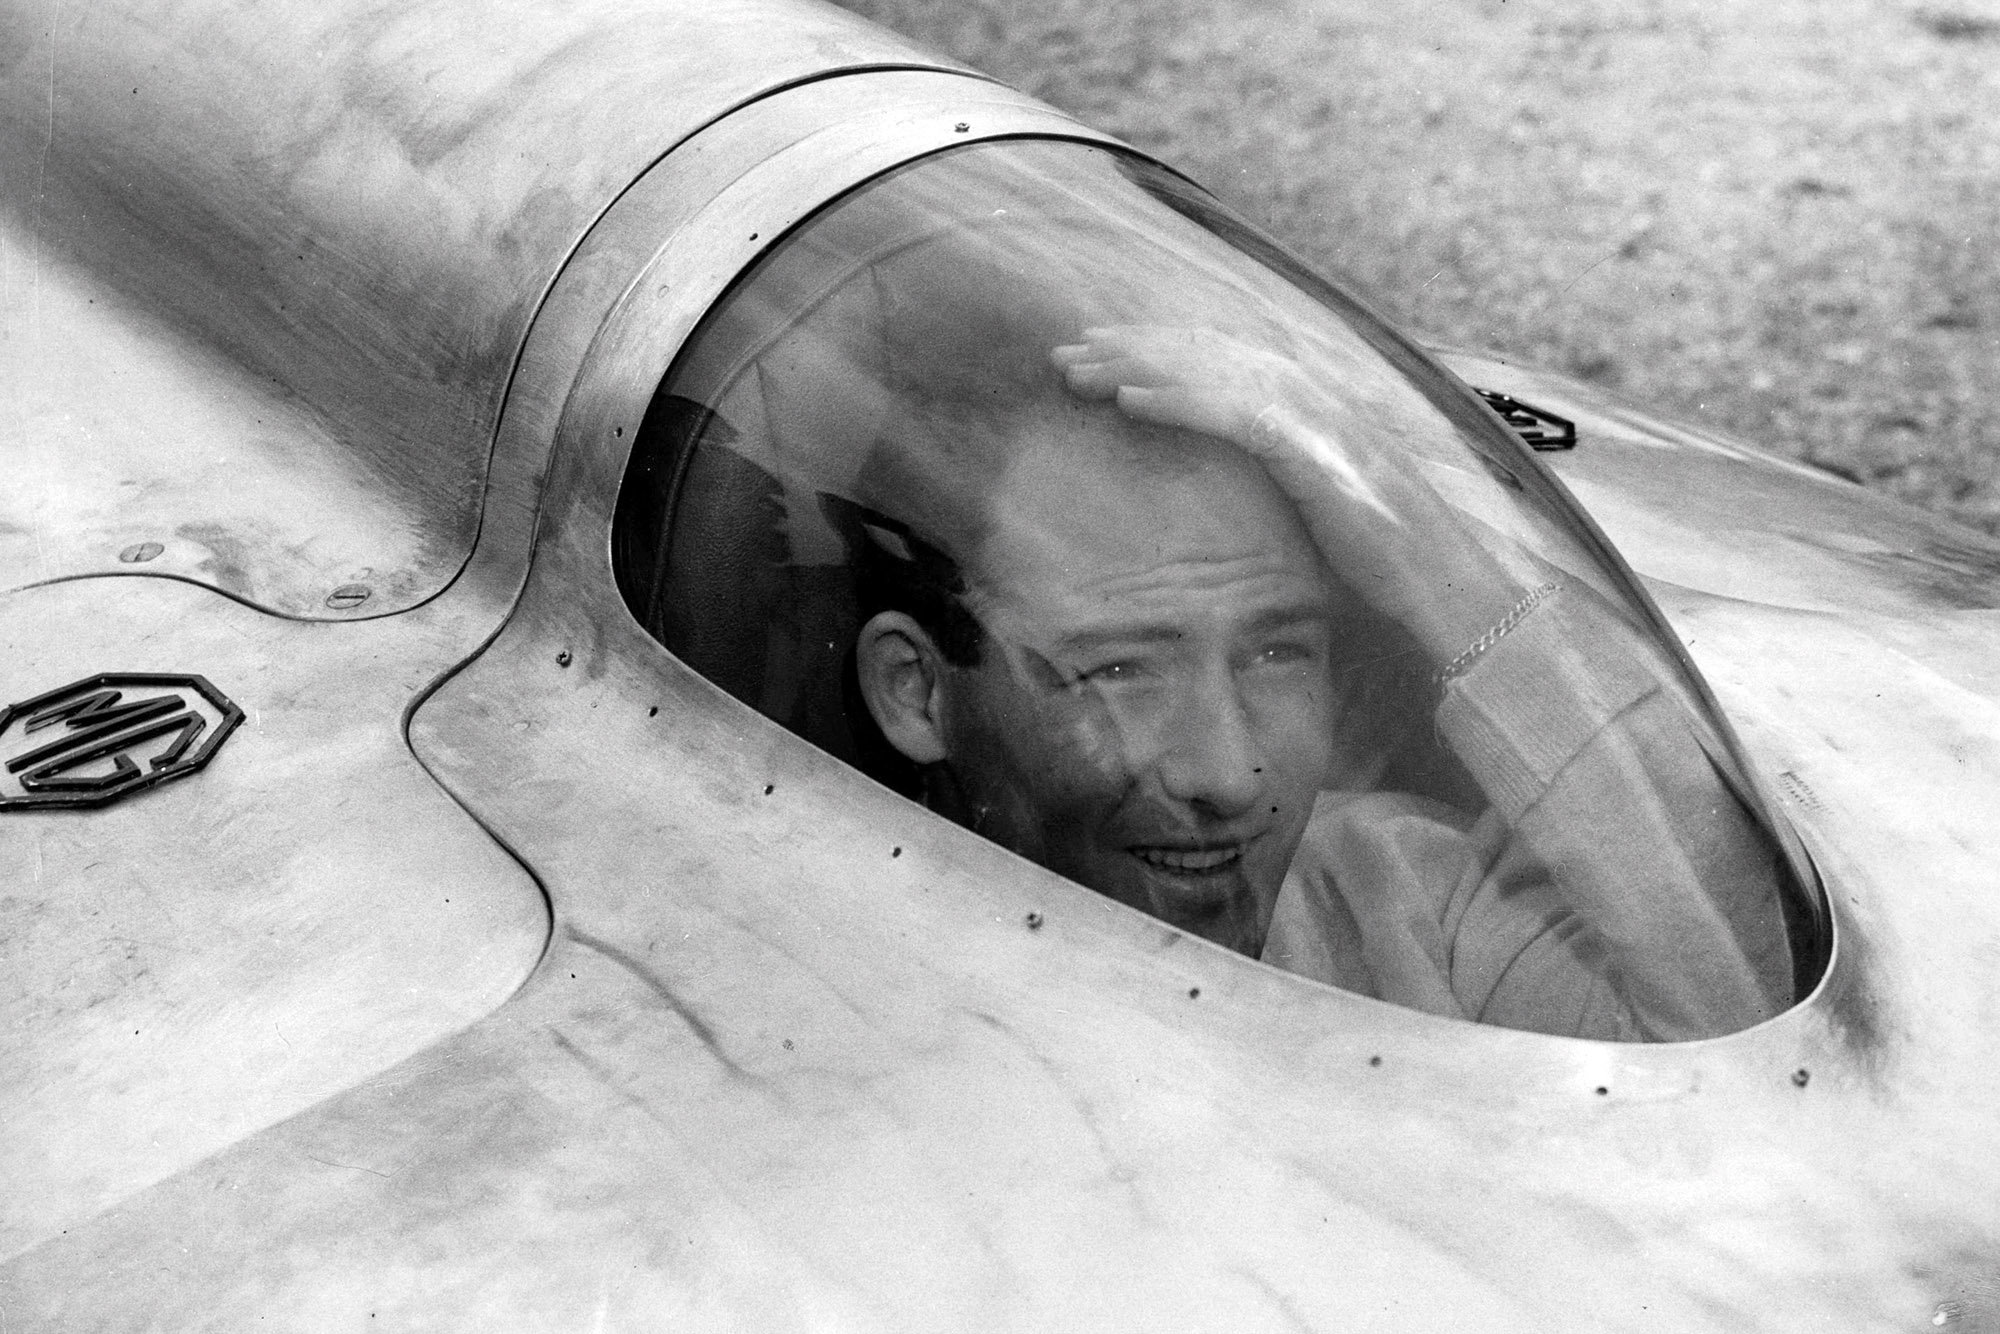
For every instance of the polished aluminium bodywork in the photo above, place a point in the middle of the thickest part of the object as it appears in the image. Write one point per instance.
(502, 973)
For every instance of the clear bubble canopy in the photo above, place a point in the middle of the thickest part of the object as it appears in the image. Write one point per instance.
(1033, 484)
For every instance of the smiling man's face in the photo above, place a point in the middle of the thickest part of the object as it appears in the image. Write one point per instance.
(1153, 711)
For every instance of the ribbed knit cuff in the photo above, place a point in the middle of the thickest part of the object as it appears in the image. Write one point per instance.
(1536, 699)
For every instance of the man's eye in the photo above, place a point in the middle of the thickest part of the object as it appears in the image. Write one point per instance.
(1111, 672)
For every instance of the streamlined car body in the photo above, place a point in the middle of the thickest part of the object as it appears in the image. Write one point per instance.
(399, 935)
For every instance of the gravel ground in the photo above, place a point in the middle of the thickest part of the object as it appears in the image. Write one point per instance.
(1770, 217)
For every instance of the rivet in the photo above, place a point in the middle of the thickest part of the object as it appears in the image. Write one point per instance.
(1034, 921)
(1801, 1076)
(961, 127)
(563, 658)
(140, 551)
(348, 596)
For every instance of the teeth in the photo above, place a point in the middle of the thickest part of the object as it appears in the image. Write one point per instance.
(1188, 859)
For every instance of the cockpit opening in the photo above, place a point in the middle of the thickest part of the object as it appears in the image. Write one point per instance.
(1031, 483)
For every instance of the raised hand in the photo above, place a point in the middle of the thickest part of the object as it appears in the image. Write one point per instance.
(1197, 379)
(1379, 525)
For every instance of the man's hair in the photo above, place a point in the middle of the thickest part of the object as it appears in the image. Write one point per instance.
(920, 515)
(923, 495)
(927, 492)
(897, 569)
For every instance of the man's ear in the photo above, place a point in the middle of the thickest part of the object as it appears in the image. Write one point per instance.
(901, 674)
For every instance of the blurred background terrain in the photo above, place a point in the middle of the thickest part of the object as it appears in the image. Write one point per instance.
(1772, 218)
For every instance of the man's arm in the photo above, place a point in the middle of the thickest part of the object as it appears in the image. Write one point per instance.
(1628, 862)
(1604, 785)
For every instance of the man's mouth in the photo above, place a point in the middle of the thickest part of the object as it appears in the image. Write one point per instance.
(1190, 861)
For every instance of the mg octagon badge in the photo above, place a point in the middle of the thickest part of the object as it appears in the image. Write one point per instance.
(107, 736)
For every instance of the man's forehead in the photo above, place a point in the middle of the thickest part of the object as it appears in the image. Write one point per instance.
(1073, 440)
(1141, 537)
(1306, 609)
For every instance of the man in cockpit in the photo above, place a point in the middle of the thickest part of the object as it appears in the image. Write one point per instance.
(1131, 661)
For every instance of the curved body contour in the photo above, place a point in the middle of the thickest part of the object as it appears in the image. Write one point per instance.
(503, 973)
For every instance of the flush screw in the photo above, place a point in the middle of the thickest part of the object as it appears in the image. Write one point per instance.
(348, 596)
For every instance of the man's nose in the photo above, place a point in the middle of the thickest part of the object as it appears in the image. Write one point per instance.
(1211, 753)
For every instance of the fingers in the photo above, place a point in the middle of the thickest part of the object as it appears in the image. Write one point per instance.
(1117, 356)
(1086, 373)
(1084, 385)
(1175, 406)
(1149, 394)
(1102, 378)
(1138, 343)
(1165, 376)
